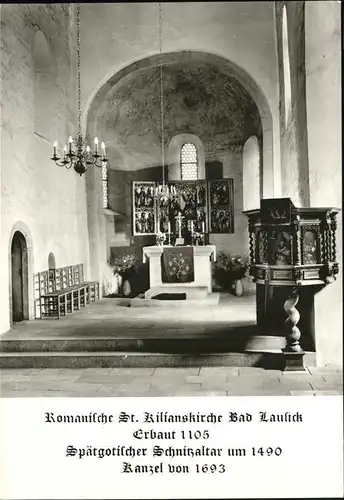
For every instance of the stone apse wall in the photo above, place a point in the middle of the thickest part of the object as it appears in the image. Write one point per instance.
(199, 100)
(46, 203)
(126, 58)
(311, 136)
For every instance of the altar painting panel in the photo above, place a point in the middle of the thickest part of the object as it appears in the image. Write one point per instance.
(144, 208)
(221, 206)
(189, 198)
(209, 204)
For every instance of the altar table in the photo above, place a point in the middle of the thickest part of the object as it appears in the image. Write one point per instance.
(201, 276)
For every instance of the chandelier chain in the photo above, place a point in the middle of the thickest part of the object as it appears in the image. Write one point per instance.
(162, 117)
(79, 158)
(78, 57)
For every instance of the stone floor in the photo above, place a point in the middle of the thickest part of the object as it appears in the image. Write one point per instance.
(111, 318)
(108, 319)
(147, 382)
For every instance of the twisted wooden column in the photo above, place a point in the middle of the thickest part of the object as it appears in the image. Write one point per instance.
(297, 232)
(251, 244)
(333, 226)
(293, 333)
(293, 352)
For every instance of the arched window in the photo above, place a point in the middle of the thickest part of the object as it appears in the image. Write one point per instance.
(251, 177)
(51, 261)
(286, 66)
(105, 185)
(189, 162)
(43, 84)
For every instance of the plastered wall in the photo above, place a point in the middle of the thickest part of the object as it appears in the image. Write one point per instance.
(48, 202)
(311, 139)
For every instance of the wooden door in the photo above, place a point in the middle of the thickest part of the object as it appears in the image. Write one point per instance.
(19, 276)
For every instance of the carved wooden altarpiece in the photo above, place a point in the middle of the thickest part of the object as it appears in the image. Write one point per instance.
(207, 205)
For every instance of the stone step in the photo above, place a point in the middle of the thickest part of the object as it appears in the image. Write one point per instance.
(40, 360)
(208, 301)
(219, 342)
(192, 292)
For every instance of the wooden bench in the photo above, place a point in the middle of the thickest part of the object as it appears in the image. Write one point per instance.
(62, 291)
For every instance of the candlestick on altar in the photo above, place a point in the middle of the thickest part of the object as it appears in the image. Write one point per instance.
(169, 232)
(203, 227)
(179, 219)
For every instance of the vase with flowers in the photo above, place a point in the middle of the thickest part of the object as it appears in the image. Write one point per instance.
(123, 266)
(160, 238)
(229, 271)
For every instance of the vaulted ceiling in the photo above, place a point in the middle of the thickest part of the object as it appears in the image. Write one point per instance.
(198, 98)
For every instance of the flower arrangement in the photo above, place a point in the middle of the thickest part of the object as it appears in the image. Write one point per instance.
(160, 238)
(123, 263)
(229, 269)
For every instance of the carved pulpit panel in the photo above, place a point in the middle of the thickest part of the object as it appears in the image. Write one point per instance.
(144, 208)
(281, 247)
(221, 207)
(259, 248)
(310, 236)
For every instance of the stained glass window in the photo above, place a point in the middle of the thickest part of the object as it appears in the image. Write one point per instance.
(188, 162)
(105, 185)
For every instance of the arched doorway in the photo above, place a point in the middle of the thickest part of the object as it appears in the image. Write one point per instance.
(20, 282)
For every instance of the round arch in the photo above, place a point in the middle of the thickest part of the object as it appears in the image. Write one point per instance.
(28, 309)
(98, 103)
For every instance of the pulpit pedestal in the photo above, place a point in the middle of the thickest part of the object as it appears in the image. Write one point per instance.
(200, 287)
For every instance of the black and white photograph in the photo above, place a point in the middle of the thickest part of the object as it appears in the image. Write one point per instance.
(171, 221)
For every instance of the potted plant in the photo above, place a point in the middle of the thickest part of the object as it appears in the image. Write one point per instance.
(229, 272)
(123, 267)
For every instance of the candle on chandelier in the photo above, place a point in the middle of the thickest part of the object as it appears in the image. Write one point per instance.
(70, 140)
(103, 149)
(55, 148)
(64, 151)
(96, 145)
(88, 149)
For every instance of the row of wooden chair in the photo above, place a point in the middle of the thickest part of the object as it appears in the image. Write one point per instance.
(63, 290)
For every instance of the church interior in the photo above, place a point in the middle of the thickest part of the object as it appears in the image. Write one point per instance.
(145, 149)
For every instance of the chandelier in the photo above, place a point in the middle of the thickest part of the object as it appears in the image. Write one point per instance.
(79, 155)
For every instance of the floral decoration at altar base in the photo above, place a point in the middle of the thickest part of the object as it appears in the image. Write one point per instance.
(229, 272)
(238, 288)
(117, 283)
(123, 267)
(160, 239)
